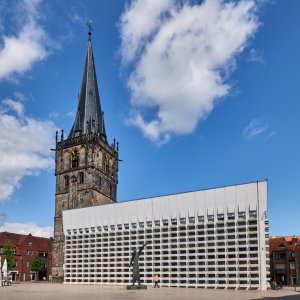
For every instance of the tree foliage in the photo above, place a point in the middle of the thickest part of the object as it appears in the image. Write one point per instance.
(9, 253)
(36, 264)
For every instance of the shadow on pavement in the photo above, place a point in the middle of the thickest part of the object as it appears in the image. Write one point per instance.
(289, 297)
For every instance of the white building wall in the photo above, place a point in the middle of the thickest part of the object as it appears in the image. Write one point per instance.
(209, 238)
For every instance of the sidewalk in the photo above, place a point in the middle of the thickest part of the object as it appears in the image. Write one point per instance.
(48, 291)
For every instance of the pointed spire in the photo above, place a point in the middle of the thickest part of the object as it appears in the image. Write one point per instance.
(89, 116)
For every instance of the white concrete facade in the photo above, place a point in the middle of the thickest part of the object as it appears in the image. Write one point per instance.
(214, 238)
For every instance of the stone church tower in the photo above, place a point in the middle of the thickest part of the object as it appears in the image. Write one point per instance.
(86, 166)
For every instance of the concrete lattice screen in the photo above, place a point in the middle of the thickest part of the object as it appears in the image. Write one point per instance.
(217, 250)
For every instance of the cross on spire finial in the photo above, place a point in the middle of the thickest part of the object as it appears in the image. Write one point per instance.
(89, 25)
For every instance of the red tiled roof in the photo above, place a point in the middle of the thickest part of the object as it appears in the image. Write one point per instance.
(8, 236)
(43, 244)
(285, 241)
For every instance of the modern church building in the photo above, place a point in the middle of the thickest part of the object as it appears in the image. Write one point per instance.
(213, 238)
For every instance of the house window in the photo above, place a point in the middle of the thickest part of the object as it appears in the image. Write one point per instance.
(280, 266)
(66, 178)
(292, 265)
(27, 264)
(29, 244)
(81, 177)
(279, 255)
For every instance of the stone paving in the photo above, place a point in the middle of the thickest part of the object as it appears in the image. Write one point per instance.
(48, 291)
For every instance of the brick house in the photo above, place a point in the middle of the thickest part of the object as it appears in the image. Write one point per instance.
(285, 259)
(26, 247)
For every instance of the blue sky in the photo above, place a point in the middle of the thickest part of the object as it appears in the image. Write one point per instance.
(199, 95)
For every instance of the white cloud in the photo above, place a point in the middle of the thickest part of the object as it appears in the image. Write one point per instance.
(24, 146)
(18, 107)
(53, 114)
(27, 228)
(181, 56)
(140, 20)
(28, 45)
(254, 128)
(256, 55)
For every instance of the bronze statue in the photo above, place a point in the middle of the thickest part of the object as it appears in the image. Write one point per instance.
(135, 264)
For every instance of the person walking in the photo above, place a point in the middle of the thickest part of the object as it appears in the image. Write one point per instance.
(156, 280)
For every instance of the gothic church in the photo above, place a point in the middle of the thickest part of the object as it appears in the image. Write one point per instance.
(86, 166)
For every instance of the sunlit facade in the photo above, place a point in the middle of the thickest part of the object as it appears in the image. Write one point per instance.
(214, 238)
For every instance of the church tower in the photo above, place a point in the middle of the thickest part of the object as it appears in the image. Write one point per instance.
(86, 166)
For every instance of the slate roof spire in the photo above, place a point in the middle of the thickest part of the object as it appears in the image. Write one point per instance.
(89, 116)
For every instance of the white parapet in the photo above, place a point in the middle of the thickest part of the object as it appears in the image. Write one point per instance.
(209, 238)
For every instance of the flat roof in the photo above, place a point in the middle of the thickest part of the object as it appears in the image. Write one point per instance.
(233, 198)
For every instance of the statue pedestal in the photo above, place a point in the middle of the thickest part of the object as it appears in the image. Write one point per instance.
(136, 287)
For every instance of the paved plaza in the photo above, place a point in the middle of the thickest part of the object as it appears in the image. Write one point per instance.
(48, 291)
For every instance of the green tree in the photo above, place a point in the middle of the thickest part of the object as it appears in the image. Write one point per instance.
(9, 253)
(36, 264)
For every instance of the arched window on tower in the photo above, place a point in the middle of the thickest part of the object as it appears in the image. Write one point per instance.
(66, 179)
(74, 157)
(74, 162)
(107, 167)
(111, 190)
(81, 177)
(105, 164)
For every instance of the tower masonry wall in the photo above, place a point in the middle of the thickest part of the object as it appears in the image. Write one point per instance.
(86, 175)
(215, 238)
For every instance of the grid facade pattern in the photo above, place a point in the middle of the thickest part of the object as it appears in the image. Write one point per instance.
(208, 251)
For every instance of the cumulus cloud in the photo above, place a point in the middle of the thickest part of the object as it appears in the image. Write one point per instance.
(24, 146)
(27, 228)
(20, 51)
(181, 55)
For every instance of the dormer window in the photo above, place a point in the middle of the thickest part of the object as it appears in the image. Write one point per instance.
(77, 133)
